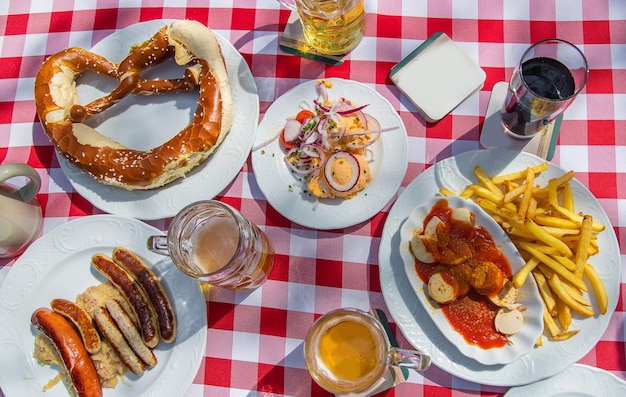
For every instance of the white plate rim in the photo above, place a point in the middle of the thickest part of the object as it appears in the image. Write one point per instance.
(274, 179)
(523, 341)
(455, 172)
(208, 179)
(581, 379)
(30, 284)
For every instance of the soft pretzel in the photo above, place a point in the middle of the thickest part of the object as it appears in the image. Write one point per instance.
(110, 162)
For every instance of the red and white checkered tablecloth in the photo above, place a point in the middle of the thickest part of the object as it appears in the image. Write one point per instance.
(255, 340)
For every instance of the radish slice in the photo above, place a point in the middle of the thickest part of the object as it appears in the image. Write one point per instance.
(292, 130)
(339, 162)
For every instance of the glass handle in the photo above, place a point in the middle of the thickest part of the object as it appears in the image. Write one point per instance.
(291, 4)
(158, 245)
(410, 359)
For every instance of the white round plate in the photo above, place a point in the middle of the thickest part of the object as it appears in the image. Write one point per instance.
(280, 186)
(58, 265)
(576, 381)
(407, 311)
(142, 123)
(523, 341)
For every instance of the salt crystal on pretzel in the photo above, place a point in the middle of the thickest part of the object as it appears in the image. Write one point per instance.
(110, 162)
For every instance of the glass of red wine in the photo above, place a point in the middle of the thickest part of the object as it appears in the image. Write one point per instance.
(549, 76)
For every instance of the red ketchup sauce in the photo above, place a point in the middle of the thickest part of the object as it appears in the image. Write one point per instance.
(471, 315)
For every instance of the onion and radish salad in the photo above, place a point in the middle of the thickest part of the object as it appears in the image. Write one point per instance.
(325, 144)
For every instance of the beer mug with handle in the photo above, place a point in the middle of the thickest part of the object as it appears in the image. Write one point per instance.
(347, 351)
(216, 244)
(332, 27)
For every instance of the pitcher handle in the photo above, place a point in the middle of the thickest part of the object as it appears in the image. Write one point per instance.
(409, 359)
(31, 188)
(158, 245)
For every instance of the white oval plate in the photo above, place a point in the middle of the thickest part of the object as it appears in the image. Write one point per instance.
(146, 122)
(576, 381)
(58, 265)
(523, 341)
(281, 187)
(409, 314)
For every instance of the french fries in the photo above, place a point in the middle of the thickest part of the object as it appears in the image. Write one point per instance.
(555, 240)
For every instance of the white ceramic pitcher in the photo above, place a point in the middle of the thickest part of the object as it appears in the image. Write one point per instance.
(20, 213)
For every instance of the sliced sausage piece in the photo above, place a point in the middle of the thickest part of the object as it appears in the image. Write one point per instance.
(509, 321)
(442, 289)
